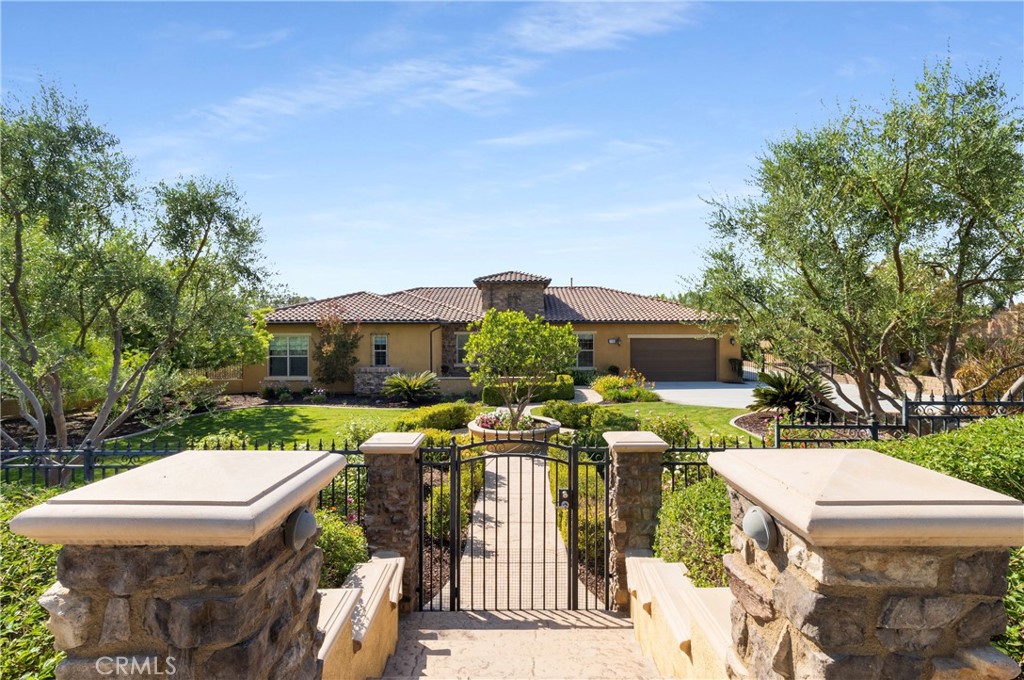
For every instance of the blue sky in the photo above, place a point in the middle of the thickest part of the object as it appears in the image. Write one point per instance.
(390, 145)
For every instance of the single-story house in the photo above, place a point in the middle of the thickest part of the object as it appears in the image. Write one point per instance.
(423, 329)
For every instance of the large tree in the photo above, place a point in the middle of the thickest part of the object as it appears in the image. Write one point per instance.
(879, 236)
(103, 291)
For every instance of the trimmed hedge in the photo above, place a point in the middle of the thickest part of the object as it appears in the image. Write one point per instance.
(693, 528)
(343, 544)
(569, 414)
(450, 416)
(471, 481)
(561, 388)
(28, 569)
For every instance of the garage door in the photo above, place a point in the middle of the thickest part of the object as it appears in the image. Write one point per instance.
(674, 358)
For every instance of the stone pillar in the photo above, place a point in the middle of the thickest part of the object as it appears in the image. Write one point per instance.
(635, 499)
(182, 567)
(393, 508)
(878, 569)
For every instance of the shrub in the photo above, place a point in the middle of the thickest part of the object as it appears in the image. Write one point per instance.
(270, 390)
(344, 546)
(285, 396)
(693, 528)
(451, 416)
(224, 440)
(569, 414)
(355, 433)
(789, 392)
(29, 568)
(316, 395)
(561, 388)
(414, 387)
(590, 517)
(436, 438)
(607, 420)
(582, 377)
(471, 481)
(625, 388)
(674, 429)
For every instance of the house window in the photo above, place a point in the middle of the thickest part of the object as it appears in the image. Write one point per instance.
(289, 356)
(380, 350)
(585, 358)
(460, 349)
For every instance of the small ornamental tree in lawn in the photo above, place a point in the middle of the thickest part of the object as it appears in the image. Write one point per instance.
(516, 355)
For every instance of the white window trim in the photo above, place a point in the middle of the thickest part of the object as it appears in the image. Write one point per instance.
(291, 377)
(373, 349)
(592, 350)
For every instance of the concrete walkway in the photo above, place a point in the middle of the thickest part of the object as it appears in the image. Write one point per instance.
(527, 644)
(728, 395)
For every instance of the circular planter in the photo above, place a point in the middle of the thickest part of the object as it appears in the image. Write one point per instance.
(516, 441)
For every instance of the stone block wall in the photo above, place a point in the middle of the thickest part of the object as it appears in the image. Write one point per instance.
(527, 297)
(890, 612)
(188, 612)
(368, 381)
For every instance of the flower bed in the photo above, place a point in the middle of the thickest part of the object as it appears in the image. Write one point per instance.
(493, 427)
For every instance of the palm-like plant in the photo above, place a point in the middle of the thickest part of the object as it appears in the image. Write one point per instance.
(413, 387)
(780, 391)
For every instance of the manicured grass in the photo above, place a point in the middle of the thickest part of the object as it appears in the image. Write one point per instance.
(278, 423)
(705, 420)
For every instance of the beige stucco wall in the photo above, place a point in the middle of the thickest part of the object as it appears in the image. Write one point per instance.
(606, 354)
(417, 347)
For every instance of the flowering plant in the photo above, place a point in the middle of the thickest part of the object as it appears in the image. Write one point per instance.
(500, 420)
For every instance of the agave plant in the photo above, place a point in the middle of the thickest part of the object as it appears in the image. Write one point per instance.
(413, 387)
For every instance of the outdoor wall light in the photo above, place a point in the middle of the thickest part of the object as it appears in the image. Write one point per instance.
(614, 341)
(732, 340)
(759, 526)
(299, 528)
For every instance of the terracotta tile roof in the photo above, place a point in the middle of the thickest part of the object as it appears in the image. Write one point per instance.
(512, 277)
(464, 304)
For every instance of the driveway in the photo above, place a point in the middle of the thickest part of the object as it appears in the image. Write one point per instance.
(728, 395)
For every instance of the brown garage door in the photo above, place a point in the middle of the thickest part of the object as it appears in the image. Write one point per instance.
(674, 358)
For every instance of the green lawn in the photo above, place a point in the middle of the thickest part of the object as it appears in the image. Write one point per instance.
(278, 423)
(705, 420)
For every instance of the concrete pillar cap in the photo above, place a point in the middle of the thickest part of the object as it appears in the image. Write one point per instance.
(393, 442)
(635, 442)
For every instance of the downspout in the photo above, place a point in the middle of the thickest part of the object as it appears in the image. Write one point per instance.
(431, 346)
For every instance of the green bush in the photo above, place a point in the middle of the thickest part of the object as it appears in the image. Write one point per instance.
(344, 546)
(625, 388)
(574, 415)
(28, 569)
(693, 528)
(471, 481)
(451, 416)
(355, 433)
(561, 388)
(582, 377)
(414, 387)
(224, 440)
(989, 453)
(607, 420)
(674, 429)
(590, 517)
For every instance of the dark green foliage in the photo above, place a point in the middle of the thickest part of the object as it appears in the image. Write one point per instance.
(590, 515)
(334, 350)
(451, 416)
(582, 377)
(693, 528)
(676, 430)
(572, 415)
(782, 391)
(414, 387)
(344, 546)
(471, 481)
(29, 568)
(562, 388)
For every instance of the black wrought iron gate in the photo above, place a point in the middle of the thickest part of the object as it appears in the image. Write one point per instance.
(513, 525)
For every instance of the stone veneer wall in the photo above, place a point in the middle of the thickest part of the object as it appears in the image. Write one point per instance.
(900, 612)
(635, 500)
(219, 612)
(392, 510)
(528, 297)
(368, 381)
(449, 353)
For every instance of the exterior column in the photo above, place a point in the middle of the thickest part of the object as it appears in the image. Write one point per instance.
(868, 567)
(392, 511)
(201, 565)
(635, 499)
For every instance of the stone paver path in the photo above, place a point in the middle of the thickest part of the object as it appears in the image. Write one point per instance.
(517, 644)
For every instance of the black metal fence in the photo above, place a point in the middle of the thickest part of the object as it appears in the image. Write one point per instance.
(688, 464)
(917, 418)
(85, 464)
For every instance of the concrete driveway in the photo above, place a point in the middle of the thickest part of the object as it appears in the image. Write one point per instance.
(727, 395)
(723, 395)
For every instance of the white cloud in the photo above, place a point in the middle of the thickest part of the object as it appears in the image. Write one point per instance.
(198, 34)
(539, 137)
(558, 26)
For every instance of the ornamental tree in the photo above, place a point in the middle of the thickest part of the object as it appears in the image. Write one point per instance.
(516, 354)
